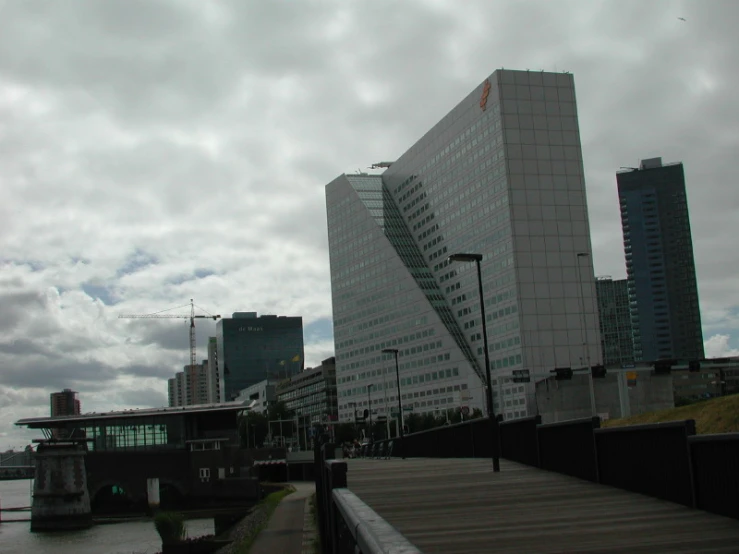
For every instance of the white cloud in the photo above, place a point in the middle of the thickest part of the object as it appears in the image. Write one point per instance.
(717, 346)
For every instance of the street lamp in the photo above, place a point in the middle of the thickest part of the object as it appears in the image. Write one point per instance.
(400, 405)
(369, 401)
(583, 334)
(477, 258)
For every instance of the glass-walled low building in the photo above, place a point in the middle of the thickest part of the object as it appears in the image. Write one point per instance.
(150, 429)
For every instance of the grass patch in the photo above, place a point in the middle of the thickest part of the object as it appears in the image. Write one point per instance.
(268, 505)
(316, 544)
(718, 415)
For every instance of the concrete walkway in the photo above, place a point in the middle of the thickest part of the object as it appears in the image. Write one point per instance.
(284, 533)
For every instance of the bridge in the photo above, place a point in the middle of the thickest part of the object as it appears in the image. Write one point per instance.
(8, 473)
(567, 487)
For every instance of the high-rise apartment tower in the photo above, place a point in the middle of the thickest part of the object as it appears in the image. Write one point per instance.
(64, 403)
(660, 267)
(501, 175)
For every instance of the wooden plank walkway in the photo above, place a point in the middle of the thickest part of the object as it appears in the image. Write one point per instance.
(460, 506)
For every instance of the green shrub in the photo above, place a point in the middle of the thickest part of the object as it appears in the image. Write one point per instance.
(170, 526)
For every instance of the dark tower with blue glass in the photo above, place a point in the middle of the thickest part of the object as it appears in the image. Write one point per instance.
(660, 268)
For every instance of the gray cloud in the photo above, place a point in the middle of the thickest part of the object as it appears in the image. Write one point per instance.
(153, 152)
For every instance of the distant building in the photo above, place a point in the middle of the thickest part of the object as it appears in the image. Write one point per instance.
(64, 403)
(616, 333)
(312, 394)
(251, 349)
(215, 379)
(172, 396)
(660, 267)
(197, 383)
(260, 396)
(190, 386)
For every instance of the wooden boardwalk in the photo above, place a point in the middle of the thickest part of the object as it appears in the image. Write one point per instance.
(460, 506)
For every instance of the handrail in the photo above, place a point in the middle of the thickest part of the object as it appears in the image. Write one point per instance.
(372, 534)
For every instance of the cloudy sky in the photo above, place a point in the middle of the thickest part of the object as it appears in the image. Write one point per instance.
(157, 151)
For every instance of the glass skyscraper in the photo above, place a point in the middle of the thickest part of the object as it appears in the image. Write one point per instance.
(660, 267)
(252, 349)
(617, 341)
(500, 175)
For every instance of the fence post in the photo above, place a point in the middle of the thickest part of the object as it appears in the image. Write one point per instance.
(322, 452)
(335, 478)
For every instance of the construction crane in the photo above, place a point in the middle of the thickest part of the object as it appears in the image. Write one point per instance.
(381, 165)
(192, 317)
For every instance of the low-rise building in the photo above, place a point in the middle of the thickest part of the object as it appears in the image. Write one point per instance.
(259, 396)
(311, 394)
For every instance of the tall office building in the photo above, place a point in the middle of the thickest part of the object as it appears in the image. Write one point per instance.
(501, 175)
(659, 262)
(215, 379)
(616, 333)
(251, 349)
(64, 403)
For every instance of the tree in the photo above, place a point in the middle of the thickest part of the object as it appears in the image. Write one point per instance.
(279, 410)
(252, 429)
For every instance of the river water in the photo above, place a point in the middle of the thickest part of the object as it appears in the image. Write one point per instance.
(135, 537)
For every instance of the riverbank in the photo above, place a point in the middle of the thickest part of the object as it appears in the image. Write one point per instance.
(246, 531)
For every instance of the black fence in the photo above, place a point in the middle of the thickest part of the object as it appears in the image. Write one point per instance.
(518, 440)
(648, 459)
(569, 447)
(715, 464)
(346, 525)
(665, 460)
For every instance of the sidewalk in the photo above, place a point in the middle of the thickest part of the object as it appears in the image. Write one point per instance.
(284, 533)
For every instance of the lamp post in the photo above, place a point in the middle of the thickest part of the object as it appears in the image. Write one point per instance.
(394, 351)
(585, 345)
(369, 402)
(477, 258)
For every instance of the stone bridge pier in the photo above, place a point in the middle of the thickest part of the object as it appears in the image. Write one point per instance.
(60, 497)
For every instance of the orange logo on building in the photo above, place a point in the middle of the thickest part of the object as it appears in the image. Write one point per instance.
(485, 93)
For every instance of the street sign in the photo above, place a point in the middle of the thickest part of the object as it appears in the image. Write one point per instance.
(631, 377)
(521, 376)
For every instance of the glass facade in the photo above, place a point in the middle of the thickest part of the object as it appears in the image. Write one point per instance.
(501, 175)
(660, 268)
(615, 321)
(251, 349)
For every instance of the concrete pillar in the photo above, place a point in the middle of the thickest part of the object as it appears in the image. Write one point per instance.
(152, 493)
(623, 394)
(60, 497)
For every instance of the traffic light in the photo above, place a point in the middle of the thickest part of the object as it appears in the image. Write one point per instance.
(598, 371)
(562, 373)
(694, 366)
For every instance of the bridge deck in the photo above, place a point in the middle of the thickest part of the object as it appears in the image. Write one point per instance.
(461, 506)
